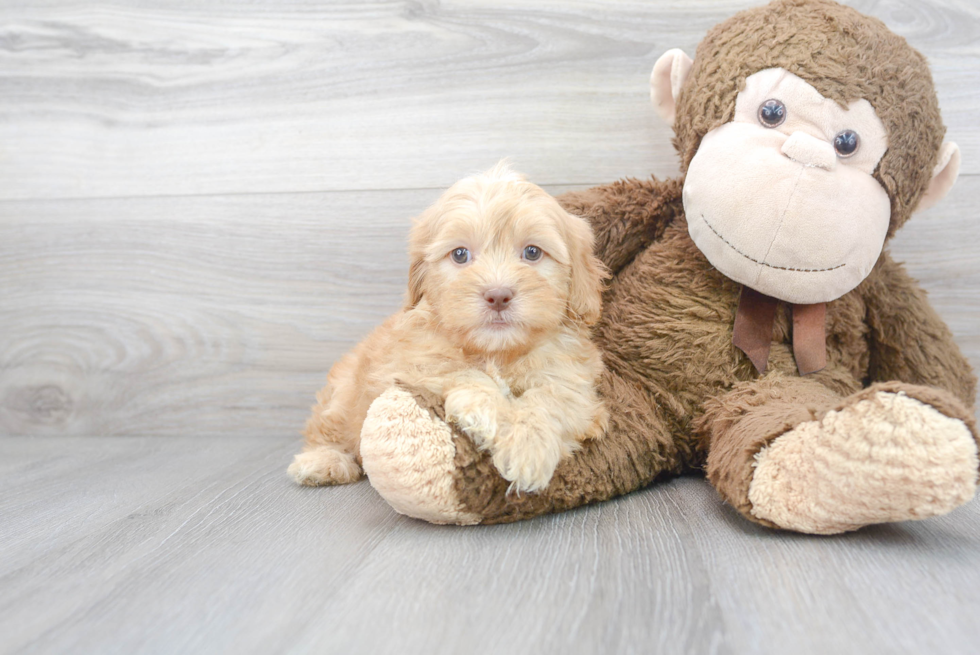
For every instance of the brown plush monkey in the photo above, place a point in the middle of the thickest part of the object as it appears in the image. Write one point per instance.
(754, 325)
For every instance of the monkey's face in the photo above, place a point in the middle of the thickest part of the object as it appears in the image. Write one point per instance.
(782, 198)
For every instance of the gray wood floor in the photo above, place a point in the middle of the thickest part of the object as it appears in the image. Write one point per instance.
(203, 204)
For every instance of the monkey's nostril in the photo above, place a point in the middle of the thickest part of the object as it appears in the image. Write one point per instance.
(498, 299)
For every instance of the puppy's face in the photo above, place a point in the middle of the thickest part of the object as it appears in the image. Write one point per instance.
(502, 264)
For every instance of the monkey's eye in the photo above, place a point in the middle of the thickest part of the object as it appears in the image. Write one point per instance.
(532, 253)
(846, 143)
(460, 255)
(772, 113)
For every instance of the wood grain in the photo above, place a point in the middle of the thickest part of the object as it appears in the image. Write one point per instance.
(157, 316)
(192, 544)
(119, 100)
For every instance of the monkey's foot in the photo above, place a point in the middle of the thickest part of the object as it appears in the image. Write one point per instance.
(409, 457)
(885, 458)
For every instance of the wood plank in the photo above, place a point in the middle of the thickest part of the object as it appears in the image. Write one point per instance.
(795, 593)
(118, 100)
(221, 315)
(89, 586)
(161, 315)
(194, 544)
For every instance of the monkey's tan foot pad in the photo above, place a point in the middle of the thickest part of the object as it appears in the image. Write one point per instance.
(885, 458)
(409, 457)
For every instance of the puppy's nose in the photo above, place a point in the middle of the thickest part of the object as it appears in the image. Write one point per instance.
(498, 299)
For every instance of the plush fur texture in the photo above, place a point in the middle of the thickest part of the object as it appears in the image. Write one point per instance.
(681, 396)
(502, 291)
(882, 456)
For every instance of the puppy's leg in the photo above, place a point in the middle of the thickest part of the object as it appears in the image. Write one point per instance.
(547, 423)
(473, 401)
(324, 465)
(330, 455)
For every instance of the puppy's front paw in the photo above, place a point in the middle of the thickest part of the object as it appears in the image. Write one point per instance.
(600, 423)
(323, 466)
(527, 455)
(473, 413)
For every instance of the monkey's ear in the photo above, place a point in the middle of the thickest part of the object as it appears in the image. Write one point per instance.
(943, 176)
(666, 81)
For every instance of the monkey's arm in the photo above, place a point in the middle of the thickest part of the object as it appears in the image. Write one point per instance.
(909, 341)
(626, 216)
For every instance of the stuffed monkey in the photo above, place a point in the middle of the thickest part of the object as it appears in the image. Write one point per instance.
(754, 326)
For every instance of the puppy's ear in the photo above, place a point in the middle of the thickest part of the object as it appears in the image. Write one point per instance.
(417, 240)
(587, 272)
(416, 280)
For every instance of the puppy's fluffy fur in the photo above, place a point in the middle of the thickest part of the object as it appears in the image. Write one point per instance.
(503, 287)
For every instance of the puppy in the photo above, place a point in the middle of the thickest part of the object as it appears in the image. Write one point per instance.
(503, 287)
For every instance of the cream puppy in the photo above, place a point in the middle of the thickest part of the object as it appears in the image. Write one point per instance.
(503, 287)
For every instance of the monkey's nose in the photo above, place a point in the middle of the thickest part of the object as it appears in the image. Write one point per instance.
(810, 151)
(498, 298)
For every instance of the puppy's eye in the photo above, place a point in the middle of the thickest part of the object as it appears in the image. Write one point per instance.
(460, 255)
(532, 253)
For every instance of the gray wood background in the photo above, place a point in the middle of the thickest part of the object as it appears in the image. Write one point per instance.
(203, 204)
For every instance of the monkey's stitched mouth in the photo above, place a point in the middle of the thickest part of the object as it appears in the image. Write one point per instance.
(754, 260)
